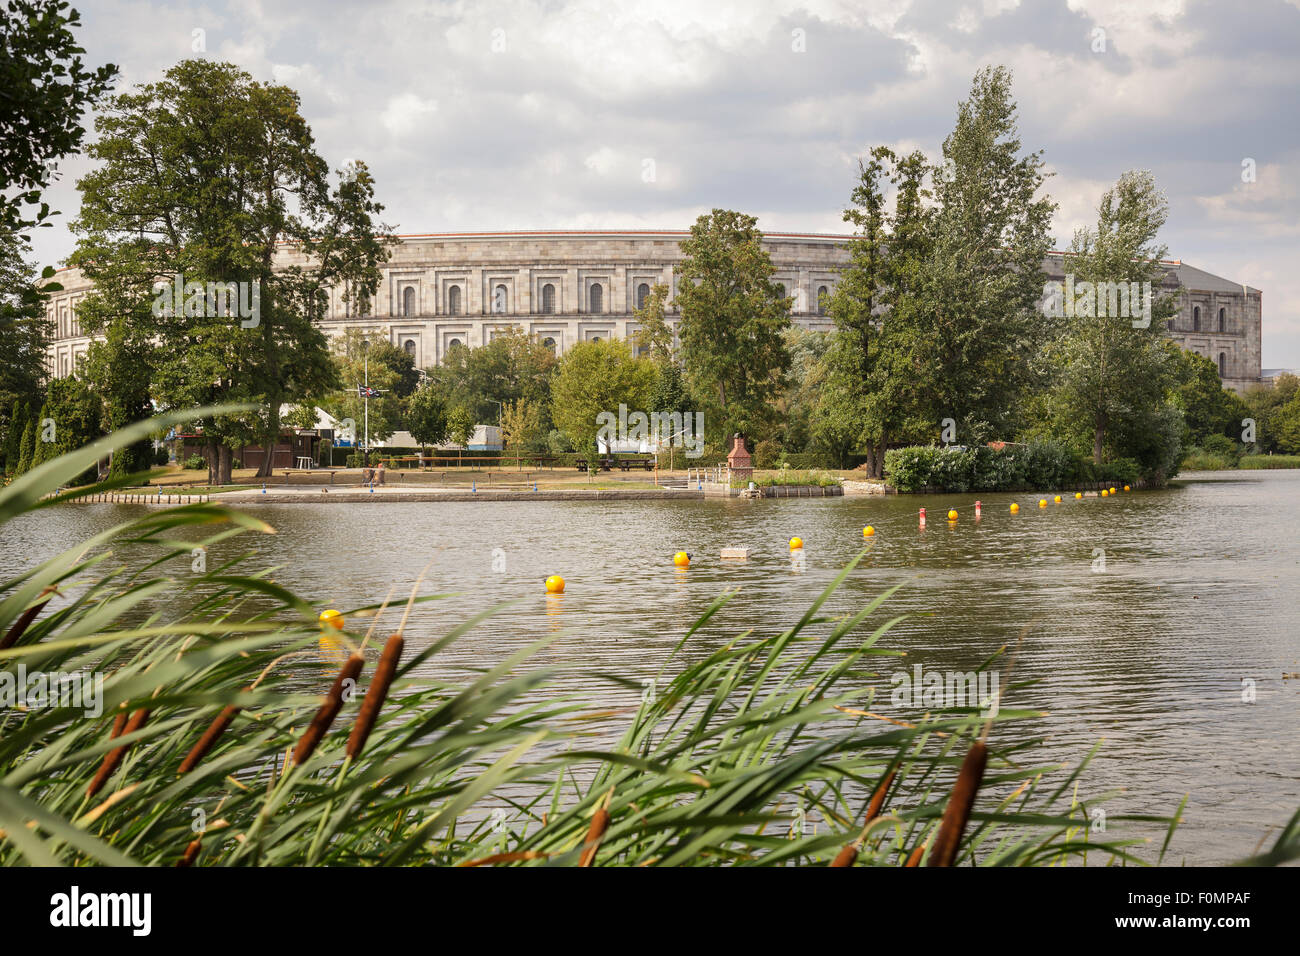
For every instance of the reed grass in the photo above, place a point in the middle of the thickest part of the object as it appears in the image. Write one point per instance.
(714, 768)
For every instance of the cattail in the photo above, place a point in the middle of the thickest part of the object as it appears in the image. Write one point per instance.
(210, 737)
(599, 824)
(375, 695)
(849, 853)
(514, 857)
(119, 724)
(915, 858)
(24, 619)
(114, 756)
(311, 738)
(191, 853)
(959, 806)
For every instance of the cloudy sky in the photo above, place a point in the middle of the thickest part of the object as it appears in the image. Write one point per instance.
(611, 114)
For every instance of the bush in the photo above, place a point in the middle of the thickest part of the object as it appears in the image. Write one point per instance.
(1270, 461)
(196, 463)
(767, 454)
(1039, 466)
(160, 456)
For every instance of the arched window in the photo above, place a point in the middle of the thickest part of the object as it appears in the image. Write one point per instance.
(548, 299)
(595, 338)
(1223, 364)
(409, 346)
(549, 343)
(1196, 319)
(597, 300)
(408, 301)
(1223, 320)
(453, 300)
(1169, 324)
(453, 344)
(642, 293)
(499, 300)
(822, 293)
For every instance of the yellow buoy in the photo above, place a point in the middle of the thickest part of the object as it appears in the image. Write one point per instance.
(1015, 508)
(682, 559)
(1042, 502)
(1078, 495)
(555, 584)
(1057, 499)
(1126, 488)
(796, 544)
(868, 531)
(1103, 492)
(952, 515)
(331, 618)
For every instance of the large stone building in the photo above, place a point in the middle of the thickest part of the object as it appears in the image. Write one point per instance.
(562, 287)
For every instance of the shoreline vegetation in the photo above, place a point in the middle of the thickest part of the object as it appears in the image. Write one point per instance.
(758, 754)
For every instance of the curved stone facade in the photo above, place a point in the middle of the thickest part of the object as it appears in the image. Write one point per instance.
(563, 287)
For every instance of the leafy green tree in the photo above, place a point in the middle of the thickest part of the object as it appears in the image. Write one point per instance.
(46, 88)
(27, 448)
(653, 334)
(872, 390)
(1112, 371)
(25, 331)
(426, 417)
(202, 176)
(1265, 404)
(595, 378)
(974, 309)
(510, 368)
(358, 360)
(522, 431)
(733, 317)
(1208, 408)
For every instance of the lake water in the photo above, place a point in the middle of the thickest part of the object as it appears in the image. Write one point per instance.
(1201, 590)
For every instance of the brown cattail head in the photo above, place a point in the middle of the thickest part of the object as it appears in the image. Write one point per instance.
(376, 694)
(915, 858)
(210, 737)
(315, 731)
(959, 806)
(119, 723)
(849, 853)
(191, 853)
(24, 620)
(599, 824)
(114, 756)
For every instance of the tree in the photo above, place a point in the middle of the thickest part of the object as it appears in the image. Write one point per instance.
(521, 427)
(510, 368)
(974, 309)
(871, 392)
(1265, 404)
(1208, 408)
(653, 334)
(46, 90)
(426, 417)
(25, 331)
(1113, 370)
(460, 426)
(26, 448)
(359, 360)
(595, 378)
(202, 177)
(733, 317)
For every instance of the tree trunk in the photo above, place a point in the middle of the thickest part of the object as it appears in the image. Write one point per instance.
(271, 438)
(223, 465)
(214, 466)
(1098, 440)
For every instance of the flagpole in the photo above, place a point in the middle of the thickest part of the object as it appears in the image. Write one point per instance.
(366, 351)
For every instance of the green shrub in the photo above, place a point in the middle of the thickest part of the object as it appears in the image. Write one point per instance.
(196, 463)
(1270, 461)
